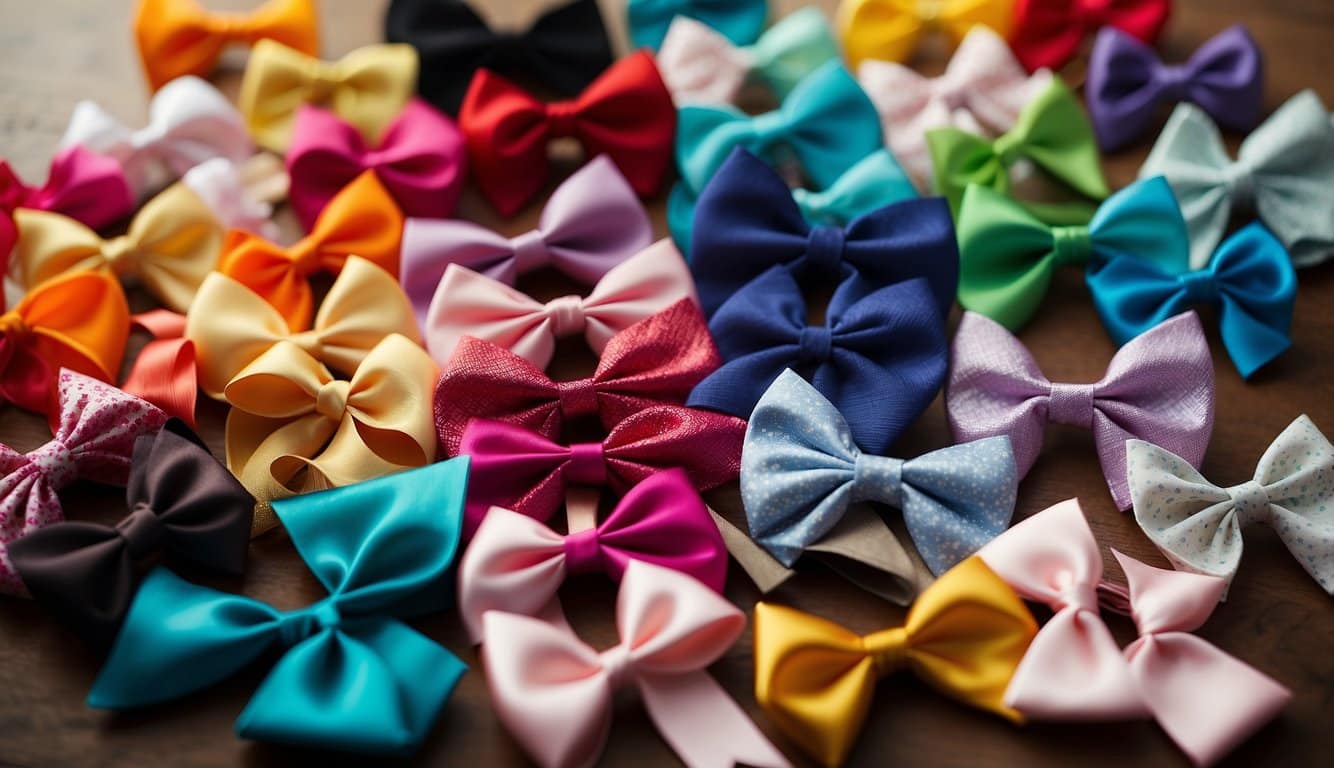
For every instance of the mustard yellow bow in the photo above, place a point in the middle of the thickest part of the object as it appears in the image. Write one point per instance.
(367, 88)
(890, 30)
(965, 635)
(171, 245)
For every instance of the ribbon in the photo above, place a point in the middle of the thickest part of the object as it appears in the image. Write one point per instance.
(164, 372)
(83, 185)
(740, 21)
(1049, 33)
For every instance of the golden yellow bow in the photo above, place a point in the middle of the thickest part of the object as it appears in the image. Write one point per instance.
(965, 635)
(367, 88)
(172, 244)
(890, 30)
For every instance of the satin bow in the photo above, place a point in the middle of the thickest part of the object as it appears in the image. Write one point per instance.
(1206, 701)
(1158, 387)
(1198, 525)
(83, 185)
(1127, 82)
(1049, 33)
(740, 21)
(626, 114)
(1284, 173)
(361, 220)
(671, 628)
(964, 636)
(368, 88)
(891, 30)
(565, 48)
(350, 675)
(235, 200)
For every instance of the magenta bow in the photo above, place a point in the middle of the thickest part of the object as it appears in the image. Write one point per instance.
(1158, 388)
(420, 159)
(83, 185)
(94, 440)
(554, 693)
(1207, 701)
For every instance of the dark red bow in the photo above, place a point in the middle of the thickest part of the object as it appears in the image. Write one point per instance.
(1048, 33)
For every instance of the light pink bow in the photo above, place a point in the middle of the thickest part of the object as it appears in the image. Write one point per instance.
(219, 184)
(700, 65)
(1207, 701)
(467, 303)
(83, 185)
(554, 693)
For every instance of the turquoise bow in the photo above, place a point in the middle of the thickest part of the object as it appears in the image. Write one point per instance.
(351, 677)
(740, 21)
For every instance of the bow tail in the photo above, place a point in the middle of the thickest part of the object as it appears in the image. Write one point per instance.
(81, 572)
(1250, 341)
(704, 726)
(1074, 670)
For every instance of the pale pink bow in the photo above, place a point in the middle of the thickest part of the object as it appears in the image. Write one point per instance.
(554, 693)
(219, 184)
(700, 65)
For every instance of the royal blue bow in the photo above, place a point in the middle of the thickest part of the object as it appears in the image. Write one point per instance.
(740, 21)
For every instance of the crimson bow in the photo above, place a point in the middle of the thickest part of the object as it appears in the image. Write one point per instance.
(1048, 33)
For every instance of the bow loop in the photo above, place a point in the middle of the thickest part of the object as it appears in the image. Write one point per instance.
(740, 22)
(86, 186)
(1049, 33)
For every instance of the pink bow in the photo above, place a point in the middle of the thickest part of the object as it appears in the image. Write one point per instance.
(554, 693)
(470, 304)
(421, 160)
(94, 439)
(1207, 701)
(700, 65)
(83, 185)
(219, 184)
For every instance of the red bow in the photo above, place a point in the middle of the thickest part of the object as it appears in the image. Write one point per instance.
(1048, 33)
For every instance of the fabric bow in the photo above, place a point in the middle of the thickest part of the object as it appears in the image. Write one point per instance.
(350, 675)
(1284, 174)
(368, 88)
(1158, 387)
(891, 30)
(565, 48)
(1127, 82)
(964, 636)
(740, 21)
(1049, 33)
(83, 185)
(1198, 525)
(236, 202)
(555, 694)
(1206, 701)
(626, 114)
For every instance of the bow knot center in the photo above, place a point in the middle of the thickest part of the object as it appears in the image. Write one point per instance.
(563, 119)
(309, 342)
(878, 478)
(1073, 593)
(1200, 286)
(616, 663)
(928, 12)
(567, 316)
(305, 257)
(587, 465)
(1072, 244)
(530, 251)
(815, 343)
(143, 531)
(583, 552)
(1071, 404)
(824, 252)
(12, 326)
(888, 649)
(952, 95)
(300, 624)
(1240, 184)
(331, 400)
(1250, 503)
(1092, 13)
(1008, 148)
(118, 252)
(56, 463)
(577, 398)
(1173, 79)
(769, 128)
(324, 81)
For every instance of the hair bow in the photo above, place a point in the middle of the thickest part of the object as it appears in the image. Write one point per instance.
(565, 48)
(239, 197)
(892, 337)
(740, 21)
(1159, 386)
(1049, 33)
(626, 114)
(1008, 257)
(964, 636)
(1284, 173)
(83, 185)
(350, 674)
(891, 30)
(368, 88)
(671, 628)
(1206, 701)
(591, 223)
(189, 121)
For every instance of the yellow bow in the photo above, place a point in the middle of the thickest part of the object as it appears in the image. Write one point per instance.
(367, 88)
(172, 244)
(965, 635)
(891, 29)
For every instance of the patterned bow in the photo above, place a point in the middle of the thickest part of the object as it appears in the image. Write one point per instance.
(83, 185)
(1049, 33)
(1283, 173)
(740, 21)
(1158, 387)
(350, 675)
(1199, 525)
(891, 30)
(964, 636)
(94, 435)
(671, 628)
(1206, 701)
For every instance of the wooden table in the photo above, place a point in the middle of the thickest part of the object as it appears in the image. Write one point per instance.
(58, 51)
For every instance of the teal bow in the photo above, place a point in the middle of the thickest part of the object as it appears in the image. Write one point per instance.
(793, 48)
(351, 677)
(740, 21)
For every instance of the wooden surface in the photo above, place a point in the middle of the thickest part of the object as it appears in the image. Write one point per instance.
(55, 52)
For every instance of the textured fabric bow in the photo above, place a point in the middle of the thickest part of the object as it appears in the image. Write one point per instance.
(83, 185)
(565, 48)
(1158, 387)
(1284, 173)
(1049, 33)
(891, 30)
(1206, 701)
(740, 21)
(1199, 525)
(368, 88)
(671, 628)
(626, 114)
(94, 434)
(964, 636)
(361, 220)
(1127, 82)
(350, 675)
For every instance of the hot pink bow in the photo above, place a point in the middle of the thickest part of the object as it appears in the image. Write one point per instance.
(554, 693)
(469, 304)
(81, 184)
(94, 440)
(1207, 701)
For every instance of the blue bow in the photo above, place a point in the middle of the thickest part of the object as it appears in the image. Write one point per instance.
(800, 469)
(350, 677)
(740, 21)
(881, 358)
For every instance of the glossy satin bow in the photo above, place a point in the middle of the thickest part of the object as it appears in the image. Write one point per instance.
(350, 675)
(1284, 173)
(964, 636)
(626, 114)
(671, 628)
(565, 48)
(368, 88)
(1206, 701)
(891, 30)
(740, 21)
(83, 185)
(1049, 33)
(1158, 387)
(177, 37)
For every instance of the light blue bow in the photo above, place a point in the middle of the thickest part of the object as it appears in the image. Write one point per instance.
(740, 21)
